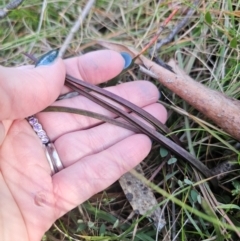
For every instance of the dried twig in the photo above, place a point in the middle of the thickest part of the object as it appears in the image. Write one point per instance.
(162, 27)
(76, 26)
(169, 38)
(176, 29)
(44, 5)
(10, 6)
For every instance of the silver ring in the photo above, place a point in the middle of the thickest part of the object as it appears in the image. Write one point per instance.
(49, 161)
(56, 164)
(50, 150)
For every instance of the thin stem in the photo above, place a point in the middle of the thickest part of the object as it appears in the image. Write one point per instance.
(76, 26)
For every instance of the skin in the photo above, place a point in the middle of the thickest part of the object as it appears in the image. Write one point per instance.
(94, 156)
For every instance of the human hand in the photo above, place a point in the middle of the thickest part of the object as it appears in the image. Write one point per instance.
(94, 156)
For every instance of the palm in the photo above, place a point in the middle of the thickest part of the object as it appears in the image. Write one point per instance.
(27, 183)
(93, 155)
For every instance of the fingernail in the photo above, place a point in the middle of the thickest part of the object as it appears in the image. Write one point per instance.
(47, 58)
(128, 59)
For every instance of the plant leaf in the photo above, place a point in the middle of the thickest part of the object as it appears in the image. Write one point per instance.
(208, 18)
(233, 42)
(172, 161)
(228, 206)
(163, 152)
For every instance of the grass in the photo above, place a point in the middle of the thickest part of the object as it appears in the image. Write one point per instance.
(208, 50)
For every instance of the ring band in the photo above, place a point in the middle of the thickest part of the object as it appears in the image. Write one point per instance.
(50, 150)
(33, 121)
(54, 157)
(49, 160)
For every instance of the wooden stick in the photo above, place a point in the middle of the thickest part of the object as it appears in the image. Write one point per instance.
(10, 6)
(221, 109)
(76, 26)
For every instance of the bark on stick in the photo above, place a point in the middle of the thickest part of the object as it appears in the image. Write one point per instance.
(221, 109)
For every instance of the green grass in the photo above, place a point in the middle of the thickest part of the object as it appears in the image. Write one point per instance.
(208, 49)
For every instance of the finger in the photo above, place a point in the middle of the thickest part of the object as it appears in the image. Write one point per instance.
(4, 127)
(94, 173)
(26, 91)
(96, 67)
(141, 93)
(2, 132)
(76, 145)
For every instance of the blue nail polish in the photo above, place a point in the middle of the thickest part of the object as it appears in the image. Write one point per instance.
(47, 58)
(128, 59)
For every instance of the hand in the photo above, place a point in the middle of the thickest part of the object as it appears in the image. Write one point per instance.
(94, 156)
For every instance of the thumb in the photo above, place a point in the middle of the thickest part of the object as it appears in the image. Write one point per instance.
(26, 91)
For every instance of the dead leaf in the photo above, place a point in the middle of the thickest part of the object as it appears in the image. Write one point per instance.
(142, 198)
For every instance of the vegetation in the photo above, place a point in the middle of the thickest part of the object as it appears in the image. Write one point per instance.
(207, 48)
